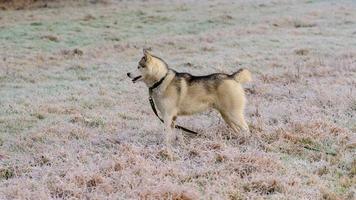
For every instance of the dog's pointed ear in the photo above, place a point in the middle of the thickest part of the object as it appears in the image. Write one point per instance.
(147, 53)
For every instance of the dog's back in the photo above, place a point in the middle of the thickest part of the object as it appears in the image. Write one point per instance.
(220, 91)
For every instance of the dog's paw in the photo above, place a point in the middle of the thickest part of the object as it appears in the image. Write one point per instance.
(167, 154)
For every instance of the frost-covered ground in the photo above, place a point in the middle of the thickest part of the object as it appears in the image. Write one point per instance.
(73, 126)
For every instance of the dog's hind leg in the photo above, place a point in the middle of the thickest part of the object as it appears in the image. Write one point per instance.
(236, 121)
(240, 121)
(229, 122)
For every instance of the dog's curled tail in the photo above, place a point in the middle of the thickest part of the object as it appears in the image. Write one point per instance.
(242, 76)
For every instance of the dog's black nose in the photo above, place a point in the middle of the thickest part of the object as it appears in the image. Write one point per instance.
(128, 74)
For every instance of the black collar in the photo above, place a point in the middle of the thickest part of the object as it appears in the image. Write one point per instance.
(157, 83)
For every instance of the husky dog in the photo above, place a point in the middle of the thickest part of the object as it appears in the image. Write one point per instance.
(177, 94)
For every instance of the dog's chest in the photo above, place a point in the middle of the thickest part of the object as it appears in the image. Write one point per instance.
(158, 101)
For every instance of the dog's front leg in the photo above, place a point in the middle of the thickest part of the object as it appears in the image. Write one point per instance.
(168, 119)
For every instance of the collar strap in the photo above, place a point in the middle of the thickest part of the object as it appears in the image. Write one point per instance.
(158, 83)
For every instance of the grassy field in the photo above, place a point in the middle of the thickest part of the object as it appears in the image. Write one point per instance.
(73, 126)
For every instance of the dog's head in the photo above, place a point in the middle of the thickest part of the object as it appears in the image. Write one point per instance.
(150, 69)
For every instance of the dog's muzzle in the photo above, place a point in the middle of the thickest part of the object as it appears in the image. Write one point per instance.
(135, 79)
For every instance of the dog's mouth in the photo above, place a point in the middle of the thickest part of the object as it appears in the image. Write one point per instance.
(136, 79)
